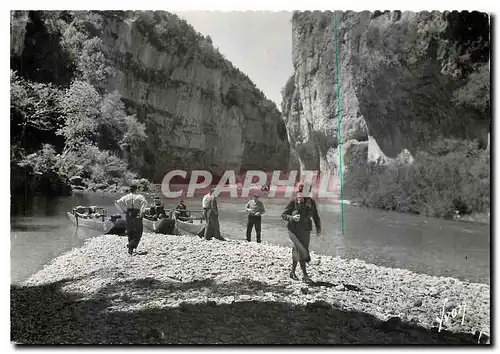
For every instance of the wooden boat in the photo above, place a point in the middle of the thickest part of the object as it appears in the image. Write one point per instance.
(191, 225)
(165, 226)
(97, 218)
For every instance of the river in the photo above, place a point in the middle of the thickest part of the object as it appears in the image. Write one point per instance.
(41, 231)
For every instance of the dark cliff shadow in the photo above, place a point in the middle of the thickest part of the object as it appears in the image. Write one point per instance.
(46, 315)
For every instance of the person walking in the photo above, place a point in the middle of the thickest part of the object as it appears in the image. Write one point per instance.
(255, 209)
(298, 214)
(133, 206)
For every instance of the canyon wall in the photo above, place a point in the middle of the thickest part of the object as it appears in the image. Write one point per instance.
(406, 79)
(199, 110)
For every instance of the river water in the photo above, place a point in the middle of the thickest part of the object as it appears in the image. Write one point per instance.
(41, 231)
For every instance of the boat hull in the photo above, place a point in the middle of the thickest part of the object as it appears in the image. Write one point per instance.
(108, 227)
(186, 228)
(163, 226)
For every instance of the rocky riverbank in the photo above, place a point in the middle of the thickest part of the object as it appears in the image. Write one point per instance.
(187, 290)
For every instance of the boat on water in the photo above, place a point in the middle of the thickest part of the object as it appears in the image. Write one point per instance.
(97, 218)
(165, 225)
(192, 224)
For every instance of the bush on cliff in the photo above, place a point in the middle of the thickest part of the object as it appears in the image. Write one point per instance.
(452, 175)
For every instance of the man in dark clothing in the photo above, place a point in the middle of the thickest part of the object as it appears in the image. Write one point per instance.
(255, 209)
(181, 211)
(298, 213)
(133, 206)
(157, 210)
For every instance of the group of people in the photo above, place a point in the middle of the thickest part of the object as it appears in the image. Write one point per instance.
(300, 213)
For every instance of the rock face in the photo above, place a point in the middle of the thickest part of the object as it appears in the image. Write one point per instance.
(398, 73)
(199, 110)
(19, 20)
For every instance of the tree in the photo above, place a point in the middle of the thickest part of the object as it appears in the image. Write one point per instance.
(112, 121)
(35, 108)
(92, 62)
(132, 141)
(81, 107)
(476, 92)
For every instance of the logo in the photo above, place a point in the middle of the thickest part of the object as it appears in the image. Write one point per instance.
(276, 184)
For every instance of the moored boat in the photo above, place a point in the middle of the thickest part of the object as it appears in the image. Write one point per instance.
(97, 218)
(190, 225)
(165, 225)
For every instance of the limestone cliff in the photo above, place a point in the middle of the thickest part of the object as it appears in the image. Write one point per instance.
(199, 110)
(19, 20)
(404, 80)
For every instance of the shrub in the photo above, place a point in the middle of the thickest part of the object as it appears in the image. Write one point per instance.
(452, 175)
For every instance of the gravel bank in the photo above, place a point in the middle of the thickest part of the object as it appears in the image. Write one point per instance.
(188, 290)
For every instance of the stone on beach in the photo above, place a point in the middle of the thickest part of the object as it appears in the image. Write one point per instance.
(234, 284)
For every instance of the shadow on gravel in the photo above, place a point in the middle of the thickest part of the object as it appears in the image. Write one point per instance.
(141, 253)
(46, 315)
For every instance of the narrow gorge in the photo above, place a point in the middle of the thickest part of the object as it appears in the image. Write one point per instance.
(116, 95)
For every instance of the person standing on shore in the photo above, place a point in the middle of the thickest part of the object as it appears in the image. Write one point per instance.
(133, 206)
(211, 215)
(298, 214)
(255, 209)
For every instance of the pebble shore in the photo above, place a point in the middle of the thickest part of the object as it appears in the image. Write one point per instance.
(181, 289)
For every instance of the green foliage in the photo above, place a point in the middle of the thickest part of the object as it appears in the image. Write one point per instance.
(97, 133)
(35, 108)
(112, 121)
(95, 167)
(85, 120)
(43, 161)
(90, 22)
(134, 135)
(435, 27)
(452, 175)
(38, 172)
(476, 92)
(81, 107)
(92, 63)
(72, 42)
(87, 52)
